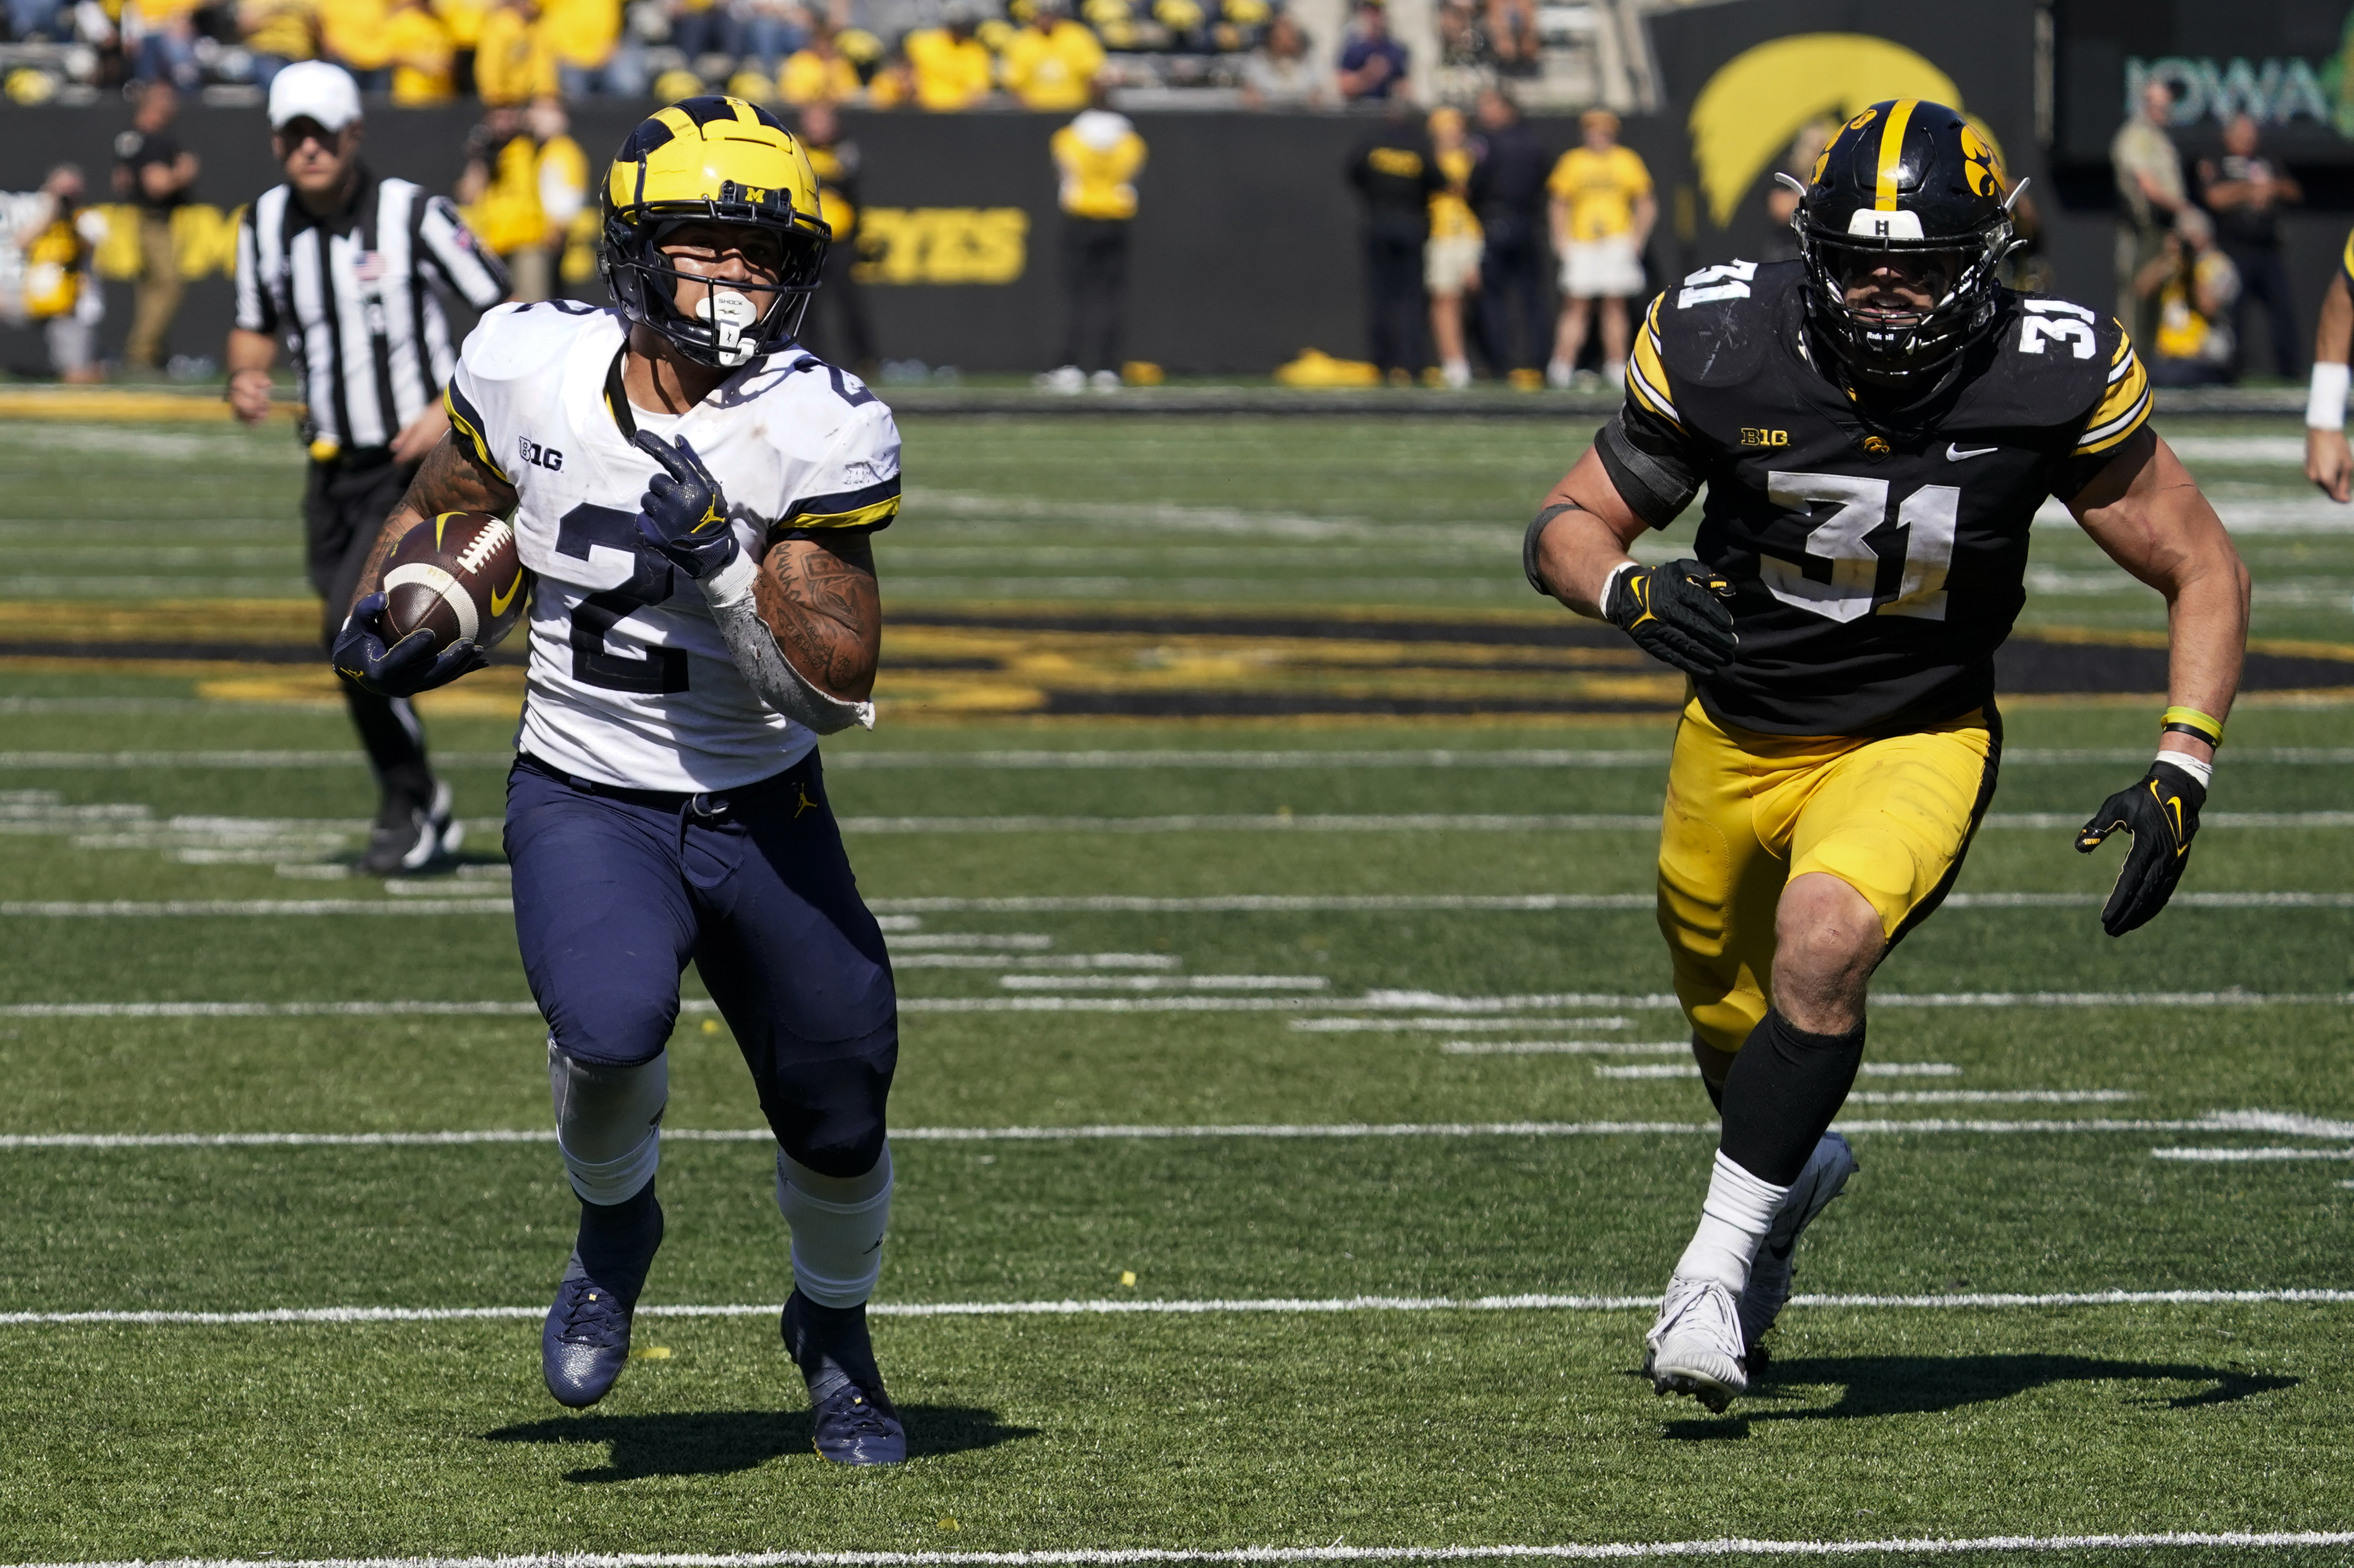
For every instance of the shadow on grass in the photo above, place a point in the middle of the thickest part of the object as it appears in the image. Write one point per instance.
(720, 1442)
(1915, 1385)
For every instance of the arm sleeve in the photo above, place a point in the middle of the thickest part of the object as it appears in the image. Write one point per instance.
(2123, 408)
(763, 664)
(471, 273)
(1654, 461)
(255, 311)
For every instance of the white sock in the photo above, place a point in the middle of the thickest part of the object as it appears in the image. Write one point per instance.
(1734, 1220)
(837, 1226)
(608, 1123)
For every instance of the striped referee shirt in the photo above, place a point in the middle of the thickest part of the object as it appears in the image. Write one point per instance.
(348, 293)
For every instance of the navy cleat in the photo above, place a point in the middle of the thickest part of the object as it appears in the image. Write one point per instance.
(855, 1421)
(586, 1342)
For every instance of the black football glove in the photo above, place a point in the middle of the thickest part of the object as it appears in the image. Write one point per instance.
(408, 666)
(2161, 813)
(1676, 613)
(683, 515)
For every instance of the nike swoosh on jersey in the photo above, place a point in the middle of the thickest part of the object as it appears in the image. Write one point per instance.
(1955, 452)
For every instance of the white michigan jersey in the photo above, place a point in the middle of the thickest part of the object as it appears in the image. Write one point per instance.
(631, 682)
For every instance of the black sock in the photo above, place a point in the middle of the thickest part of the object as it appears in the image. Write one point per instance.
(1716, 1093)
(616, 1243)
(1785, 1087)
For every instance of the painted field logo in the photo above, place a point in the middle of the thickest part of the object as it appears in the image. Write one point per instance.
(942, 244)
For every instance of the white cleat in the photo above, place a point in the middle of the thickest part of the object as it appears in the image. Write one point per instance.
(1823, 1179)
(1695, 1347)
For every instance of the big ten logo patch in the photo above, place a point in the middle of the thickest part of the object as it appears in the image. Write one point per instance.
(1751, 437)
(204, 241)
(539, 456)
(942, 244)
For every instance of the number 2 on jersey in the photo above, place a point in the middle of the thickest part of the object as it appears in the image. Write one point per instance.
(1924, 523)
(662, 670)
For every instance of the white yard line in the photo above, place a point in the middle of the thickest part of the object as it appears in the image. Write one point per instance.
(1692, 1070)
(1162, 982)
(1509, 902)
(1444, 1013)
(1578, 1048)
(2213, 1121)
(2245, 1156)
(1159, 760)
(1135, 1306)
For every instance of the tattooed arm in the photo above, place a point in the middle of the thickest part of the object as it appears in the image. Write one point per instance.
(451, 479)
(805, 626)
(820, 602)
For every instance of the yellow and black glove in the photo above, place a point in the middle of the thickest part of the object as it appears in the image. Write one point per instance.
(1676, 613)
(2161, 813)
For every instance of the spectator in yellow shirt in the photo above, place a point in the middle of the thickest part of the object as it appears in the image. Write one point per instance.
(1603, 210)
(462, 20)
(1051, 64)
(277, 33)
(817, 73)
(422, 56)
(590, 57)
(952, 68)
(358, 36)
(1097, 156)
(513, 61)
(1451, 255)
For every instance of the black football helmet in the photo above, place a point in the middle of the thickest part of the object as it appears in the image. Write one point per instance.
(1909, 196)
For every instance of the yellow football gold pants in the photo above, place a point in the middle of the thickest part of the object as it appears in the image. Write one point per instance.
(1891, 817)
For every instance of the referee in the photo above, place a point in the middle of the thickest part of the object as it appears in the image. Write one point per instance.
(336, 261)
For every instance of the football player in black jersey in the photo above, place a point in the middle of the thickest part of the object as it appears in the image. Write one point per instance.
(1876, 424)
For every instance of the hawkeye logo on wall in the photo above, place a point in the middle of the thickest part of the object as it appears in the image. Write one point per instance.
(1753, 108)
(942, 244)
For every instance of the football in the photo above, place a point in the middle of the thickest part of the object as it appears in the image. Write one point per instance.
(457, 576)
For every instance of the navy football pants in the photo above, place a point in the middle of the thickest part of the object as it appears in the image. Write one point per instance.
(615, 890)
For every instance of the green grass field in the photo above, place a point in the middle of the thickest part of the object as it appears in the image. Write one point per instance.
(1291, 1129)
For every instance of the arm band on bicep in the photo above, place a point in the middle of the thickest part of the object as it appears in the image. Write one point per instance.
(1529, 544)
(2325, 404)
(764, 664)
(1654, 489)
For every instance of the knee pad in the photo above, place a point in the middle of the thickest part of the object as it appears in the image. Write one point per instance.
(608, 1123)
(837, 1225)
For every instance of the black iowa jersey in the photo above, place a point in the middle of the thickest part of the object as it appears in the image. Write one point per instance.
(1875, 569)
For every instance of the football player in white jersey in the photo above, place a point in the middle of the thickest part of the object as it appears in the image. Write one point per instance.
(694, 494)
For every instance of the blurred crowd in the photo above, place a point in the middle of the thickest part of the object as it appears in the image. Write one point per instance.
(1482, 242)
(934, 55)
(2199, 250)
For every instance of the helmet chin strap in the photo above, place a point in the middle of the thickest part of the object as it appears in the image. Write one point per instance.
(730, 315)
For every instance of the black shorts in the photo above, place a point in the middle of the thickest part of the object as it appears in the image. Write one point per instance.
(345, 503)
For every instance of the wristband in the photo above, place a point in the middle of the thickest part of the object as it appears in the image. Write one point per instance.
(2325, 407)
(731, 584)
(2192, 722)
(1611, 582)
(2203, 771)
